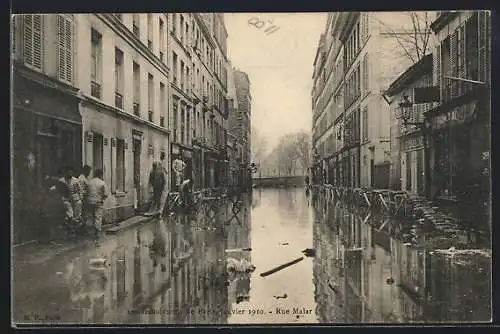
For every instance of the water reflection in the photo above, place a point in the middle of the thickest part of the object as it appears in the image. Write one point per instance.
(173, 271)
(363, 275)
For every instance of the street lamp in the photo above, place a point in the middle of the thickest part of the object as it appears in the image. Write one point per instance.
(406, 107)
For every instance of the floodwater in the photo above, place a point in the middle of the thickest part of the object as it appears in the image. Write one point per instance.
(173, 271)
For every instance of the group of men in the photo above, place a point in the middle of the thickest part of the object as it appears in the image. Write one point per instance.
(82, 199)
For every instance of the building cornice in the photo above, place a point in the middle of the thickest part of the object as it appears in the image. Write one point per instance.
(180, 44)
(420, 68)
(45, 80)
(180, 92)
(117, 26)
(204, 29)
(443, 19)
(350, 20)
(90, 100)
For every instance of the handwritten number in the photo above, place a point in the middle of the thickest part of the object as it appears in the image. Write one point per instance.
(256, 22)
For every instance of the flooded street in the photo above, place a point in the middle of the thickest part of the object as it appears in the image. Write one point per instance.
(173, 271)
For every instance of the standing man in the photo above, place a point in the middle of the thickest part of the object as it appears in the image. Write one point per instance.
(178, 166)
(72, 203)
(83, 180)
(96, 194)
(164, 195)
(157, 182)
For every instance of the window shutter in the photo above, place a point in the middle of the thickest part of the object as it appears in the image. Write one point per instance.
(484, 36)
(33, 33)
(13, 32)
(453, 62)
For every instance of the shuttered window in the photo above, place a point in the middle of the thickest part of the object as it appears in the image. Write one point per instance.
(484, 46)
(453, 63)
(436, 59)
(13, 33)
(365, 74)
(365, 123)
(33, 44)
(65, 47)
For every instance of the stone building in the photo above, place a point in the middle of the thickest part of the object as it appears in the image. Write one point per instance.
(89, 89)
(200, 115)
(460, 122)
(240, 120)
(408, 150)
(356, 61)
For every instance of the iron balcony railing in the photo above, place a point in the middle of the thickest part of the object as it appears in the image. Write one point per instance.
(95, 89)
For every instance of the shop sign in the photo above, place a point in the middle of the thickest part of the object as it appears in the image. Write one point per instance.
(459, 115)
(411, 143)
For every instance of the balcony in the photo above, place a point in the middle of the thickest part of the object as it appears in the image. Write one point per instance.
(118, 100)
(150, 45)
(162, 121)
(137, 111)
(162, 56)
(95, 89)
(150, 115)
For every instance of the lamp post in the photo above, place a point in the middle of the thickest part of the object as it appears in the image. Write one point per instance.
(407, 107)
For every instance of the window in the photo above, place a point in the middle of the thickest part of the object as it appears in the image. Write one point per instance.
(95, 68)
(33, 36)
(183, 115)
(150, 97)
(188, 124)
(137, 88)
(174, 67)
(65, 47)
(187, 79)
(136, 25)
(119, 78)
(162, 104)
(174, 24)
(175, 108)
(150, 31)
(97, 152)
(187, 34)
(366, 83)
(120, 165)
(484, 52)
(162, 40)
(365, 123)
(182, 28)
(182, 75)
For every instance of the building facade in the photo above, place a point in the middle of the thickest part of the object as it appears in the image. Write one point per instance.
(240, 121)
(460, 122)
(355, 62)
(408, 149)
(199, 100)
(113, 117)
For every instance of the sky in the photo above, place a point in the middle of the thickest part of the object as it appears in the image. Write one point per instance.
(279, 65)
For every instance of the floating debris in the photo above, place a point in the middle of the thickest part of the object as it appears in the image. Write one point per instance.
(281, 297)
(232, 250)
(281, 267)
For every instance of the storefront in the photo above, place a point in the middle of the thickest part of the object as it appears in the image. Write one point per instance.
(460, 151)
(47, 137)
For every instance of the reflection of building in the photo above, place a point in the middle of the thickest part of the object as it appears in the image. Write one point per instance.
(382, 279)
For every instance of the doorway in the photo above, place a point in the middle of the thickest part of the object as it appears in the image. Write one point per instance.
(98, 152)
(136, 145)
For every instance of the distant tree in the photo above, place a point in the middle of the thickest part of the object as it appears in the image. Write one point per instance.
(291, 154)
(259, 146)
(414, 39)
